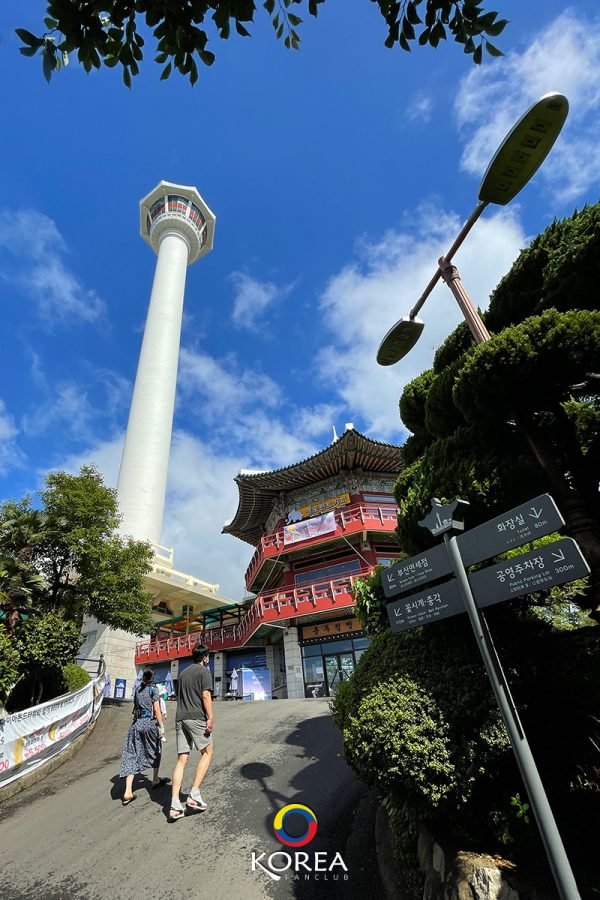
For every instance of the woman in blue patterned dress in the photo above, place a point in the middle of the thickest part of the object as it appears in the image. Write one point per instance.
(143, 744)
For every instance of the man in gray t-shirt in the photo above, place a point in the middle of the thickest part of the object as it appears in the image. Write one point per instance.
(193, 728)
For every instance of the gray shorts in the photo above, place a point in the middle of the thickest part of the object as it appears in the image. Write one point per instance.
(191, 733)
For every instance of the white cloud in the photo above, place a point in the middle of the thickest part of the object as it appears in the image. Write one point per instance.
(201, 496)
(420, 109)
(38, 249)
(69, 408)
(10, 454)
(363, 301)
(247, 410)
(247, 430)
(220, 388)
(253, 298)
(565, 57)
(105, 455)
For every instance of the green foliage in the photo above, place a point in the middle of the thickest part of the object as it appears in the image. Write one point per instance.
(43, 644)
(57, 565)
(108, 32)
(75, 677)
(531, 364)
(370, 603)
(498, 422)
(419, 720)
(441, 415)
(585, 416)
(46, 641)
(424, 692)
(473, 416)
(9, 665)
(512, 822)
(412, 401)
(488, 474)
(83, 566)
(414, 447)
(456, 344)
(397, 741)
(559, 269)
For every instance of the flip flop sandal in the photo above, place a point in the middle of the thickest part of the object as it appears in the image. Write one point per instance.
(128, 800)
(175, 814)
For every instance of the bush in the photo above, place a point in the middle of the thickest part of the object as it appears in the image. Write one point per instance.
(75, 677)
(420, 723)
(35, 687)
(419, 719)
(9, 665)
(397, 741)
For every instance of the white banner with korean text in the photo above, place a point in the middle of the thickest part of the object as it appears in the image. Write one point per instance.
(309, 528)
(31, 737)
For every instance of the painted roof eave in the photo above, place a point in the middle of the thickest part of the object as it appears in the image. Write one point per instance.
(258, 490)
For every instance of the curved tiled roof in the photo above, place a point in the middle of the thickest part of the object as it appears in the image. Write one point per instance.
(259, 490)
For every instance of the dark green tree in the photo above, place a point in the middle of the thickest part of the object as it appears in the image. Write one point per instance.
(57, 565)
(108, 31)
(420, 725)
(520, 414)
(68, 558)
(20, 582)
(9, 666)
(45, 643)
(89, 568)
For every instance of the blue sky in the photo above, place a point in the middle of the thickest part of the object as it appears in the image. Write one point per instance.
(338, 175)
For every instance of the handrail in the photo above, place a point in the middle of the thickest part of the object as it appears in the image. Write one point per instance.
(263, 605)
(101, 663)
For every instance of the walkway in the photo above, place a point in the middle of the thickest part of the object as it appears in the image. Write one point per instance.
(69, 838)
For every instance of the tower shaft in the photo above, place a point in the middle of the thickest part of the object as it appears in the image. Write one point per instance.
(143, 474)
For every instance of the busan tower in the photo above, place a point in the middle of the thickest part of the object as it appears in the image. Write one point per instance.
(179, 226)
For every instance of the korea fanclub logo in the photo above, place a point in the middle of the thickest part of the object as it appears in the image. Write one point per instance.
(299, 865)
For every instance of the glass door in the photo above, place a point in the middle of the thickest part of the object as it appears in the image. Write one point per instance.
(338, 668)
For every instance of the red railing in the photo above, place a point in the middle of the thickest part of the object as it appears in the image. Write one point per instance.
(280, 604)
(348, 520)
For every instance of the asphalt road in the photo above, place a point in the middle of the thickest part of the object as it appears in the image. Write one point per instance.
(69, 837)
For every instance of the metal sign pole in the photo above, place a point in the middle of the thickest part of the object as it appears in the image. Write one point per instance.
(555, 851)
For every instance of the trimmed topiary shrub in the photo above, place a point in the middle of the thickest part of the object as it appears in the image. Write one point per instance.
(419, 719)
(75, 677)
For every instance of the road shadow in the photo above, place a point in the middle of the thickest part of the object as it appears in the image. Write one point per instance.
(160, 796)
(326, 786)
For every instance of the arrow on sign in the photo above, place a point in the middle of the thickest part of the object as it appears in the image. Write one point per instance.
(558, 557)
(534, 514)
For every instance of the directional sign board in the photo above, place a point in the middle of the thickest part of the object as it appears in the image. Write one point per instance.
(521, 525)
(410, 573)
(542, 568)
(420, 609)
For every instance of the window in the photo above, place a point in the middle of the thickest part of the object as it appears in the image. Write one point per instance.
(312, 650)
(328, 573)
(157, 208)
(361, 643)
(187, 609)
(163, 608)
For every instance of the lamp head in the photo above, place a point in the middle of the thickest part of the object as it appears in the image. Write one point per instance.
(399, 340)
(524, 149)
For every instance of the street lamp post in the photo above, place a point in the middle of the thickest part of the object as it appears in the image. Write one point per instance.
(517, 159)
